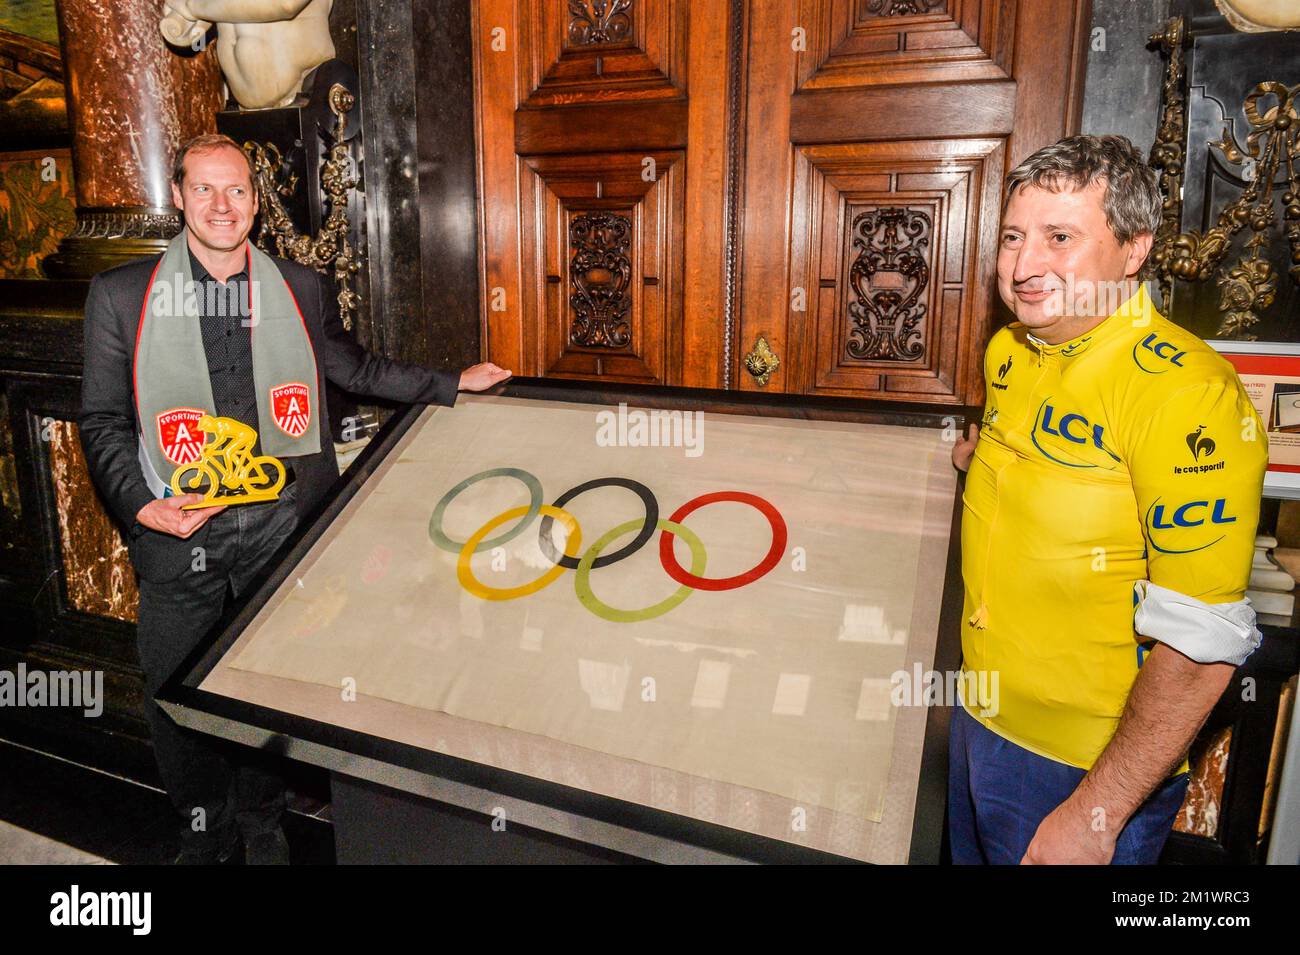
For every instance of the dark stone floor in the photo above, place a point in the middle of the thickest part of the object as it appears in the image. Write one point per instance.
(114, 819)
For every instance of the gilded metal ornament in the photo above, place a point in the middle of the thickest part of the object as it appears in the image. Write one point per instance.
(1167, 153)
(761, 362)
(1249, 285)
(332, 246)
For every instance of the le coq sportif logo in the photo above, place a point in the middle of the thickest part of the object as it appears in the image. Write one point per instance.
(1200, 443)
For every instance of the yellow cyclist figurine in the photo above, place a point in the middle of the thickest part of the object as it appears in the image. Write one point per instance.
(234, 442)
(228, 462)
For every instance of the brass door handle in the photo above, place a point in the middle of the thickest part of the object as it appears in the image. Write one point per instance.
(761, 362)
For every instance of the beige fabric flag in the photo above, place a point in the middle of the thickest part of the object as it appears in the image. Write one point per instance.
(781, 685)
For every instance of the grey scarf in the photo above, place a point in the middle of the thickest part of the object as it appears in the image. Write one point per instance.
(172, 388)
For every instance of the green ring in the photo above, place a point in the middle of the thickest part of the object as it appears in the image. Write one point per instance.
(582, 579)
(529, 481)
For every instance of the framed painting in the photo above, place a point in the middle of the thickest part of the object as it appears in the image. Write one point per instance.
(1270, 373)
(679, 625)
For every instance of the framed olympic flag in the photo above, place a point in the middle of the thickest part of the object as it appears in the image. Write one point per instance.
(1270, 372)
(679, 625)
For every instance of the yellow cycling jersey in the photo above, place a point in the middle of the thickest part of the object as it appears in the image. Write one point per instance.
(1129, 453)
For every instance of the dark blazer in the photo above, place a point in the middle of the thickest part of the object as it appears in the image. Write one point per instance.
(108, 424)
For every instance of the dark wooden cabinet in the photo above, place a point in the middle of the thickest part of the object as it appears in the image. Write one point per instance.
(665, 184)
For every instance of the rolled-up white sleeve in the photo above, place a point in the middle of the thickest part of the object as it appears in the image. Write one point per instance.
(1206, 633)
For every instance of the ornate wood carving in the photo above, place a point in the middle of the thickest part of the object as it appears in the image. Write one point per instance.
(602, 51)
(600, 271)
(892, 260)
(605, 266)
(889, 275)
(599, 21)
(735, 170)
(765, 88)
(901, 8)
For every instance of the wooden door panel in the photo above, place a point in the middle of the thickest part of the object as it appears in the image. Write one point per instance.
(606, 243)
(604, 127)
(888, 258)
(948, 110)
(898, 42)
(879, 132)
(586, 51)
(582, 258)
(780, 128)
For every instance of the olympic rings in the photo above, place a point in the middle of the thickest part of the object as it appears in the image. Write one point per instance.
(647, 527)
(465, 573)
(439, 537)
(689, 580)
(582, 582)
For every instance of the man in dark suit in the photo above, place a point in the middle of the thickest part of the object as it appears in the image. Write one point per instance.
(141, 357)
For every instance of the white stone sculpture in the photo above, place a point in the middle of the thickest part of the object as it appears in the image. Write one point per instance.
(265, 47)
(1260, 16)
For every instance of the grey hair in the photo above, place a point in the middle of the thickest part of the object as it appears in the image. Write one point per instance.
(1132, 201)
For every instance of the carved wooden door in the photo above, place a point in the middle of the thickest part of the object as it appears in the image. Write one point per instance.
(666, 185)
(878, 136)
(585, 109)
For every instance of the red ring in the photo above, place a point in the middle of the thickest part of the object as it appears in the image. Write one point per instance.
(680, 574)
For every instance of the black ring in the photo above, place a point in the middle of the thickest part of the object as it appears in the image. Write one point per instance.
(647, 530)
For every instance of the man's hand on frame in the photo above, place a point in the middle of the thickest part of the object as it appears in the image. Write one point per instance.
(482, 376)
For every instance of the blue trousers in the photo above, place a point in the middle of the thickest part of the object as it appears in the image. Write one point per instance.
(998, 793)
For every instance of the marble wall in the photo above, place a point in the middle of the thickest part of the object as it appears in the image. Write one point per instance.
(1122, 92)
(131, 101)
(97, 571)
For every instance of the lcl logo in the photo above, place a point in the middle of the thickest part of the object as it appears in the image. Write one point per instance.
(1161, 517)
(1150, 353)
(1182, 515)
(1073, 427)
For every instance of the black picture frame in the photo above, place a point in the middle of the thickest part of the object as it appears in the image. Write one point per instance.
(610, 823)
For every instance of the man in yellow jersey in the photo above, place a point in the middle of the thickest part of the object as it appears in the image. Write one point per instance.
(1109, 518)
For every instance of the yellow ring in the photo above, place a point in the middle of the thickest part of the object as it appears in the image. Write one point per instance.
(465, 573)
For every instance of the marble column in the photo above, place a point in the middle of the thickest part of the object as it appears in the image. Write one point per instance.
(132, 100)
